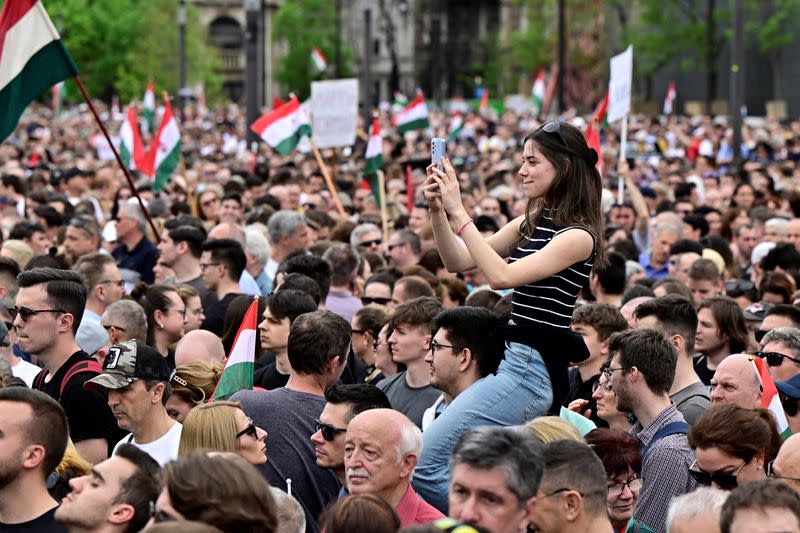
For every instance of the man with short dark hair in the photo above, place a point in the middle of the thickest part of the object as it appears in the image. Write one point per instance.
(137, 379)
(676, 317)
(344, 263)
(494, 476)
(705, 281)
(319, 343)
(408, 288)
(761, 507)
(106, 286)
(33, 430)
(342, 403)
(778, 316)
(48, 312)
(312, 266)
(222, 262)
(641, 373)
(607, 282)
(180, 248)
(82, 236)
(115, 497)
(403, 248)
(572, 493)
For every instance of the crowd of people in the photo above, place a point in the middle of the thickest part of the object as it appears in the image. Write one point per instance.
(520, 348)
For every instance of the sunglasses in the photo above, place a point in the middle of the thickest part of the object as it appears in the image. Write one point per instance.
(373, 242)
(249, 430)
(391, 247)
(366, 300)
(790, 405)
(553, 127)
(26, 313)
(759, 334)
(739, 286)
(774, 358)
(724, 480)
(328, 431)
(117, 282)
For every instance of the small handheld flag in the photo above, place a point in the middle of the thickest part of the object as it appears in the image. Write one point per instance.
(238, 372)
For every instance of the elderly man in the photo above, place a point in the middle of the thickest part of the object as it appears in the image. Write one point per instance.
(135, 254)
(696, 511)
(199, 345)
(782, 352)
(124, 320)
(761, 507)
(494, 475)
(381, 448)
(786, 466)
(736, 382)
(288, 231)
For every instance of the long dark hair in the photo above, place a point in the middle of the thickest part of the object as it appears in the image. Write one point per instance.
(574, 196)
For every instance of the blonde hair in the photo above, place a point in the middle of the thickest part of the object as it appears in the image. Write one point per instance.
(194, 382)
(19, 251)
(551, 428)
(209, 427)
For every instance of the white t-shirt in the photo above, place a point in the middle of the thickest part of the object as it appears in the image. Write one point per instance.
(25, 371)
(162, 450)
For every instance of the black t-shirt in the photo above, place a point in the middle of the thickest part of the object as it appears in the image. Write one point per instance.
(703, 372)
(141, 259)
(215, 313)
(45, 523)
(269, 378)
(88, 413)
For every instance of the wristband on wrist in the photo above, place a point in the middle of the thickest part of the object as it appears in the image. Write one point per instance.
(462, 226)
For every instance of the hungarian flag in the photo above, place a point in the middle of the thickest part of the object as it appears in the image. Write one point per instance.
(165, 153)
(130, 147)
(238, 372)
(149, 107)
(32, 59)
(373, 158)
(601, 111)
(456, 125)
(414, 116)
(484, 105)
(669, 99)
(319, 59)
(58, 97)
(537, 92)
(283, 128)
(399, 103)
(770, 399)
(592, 137)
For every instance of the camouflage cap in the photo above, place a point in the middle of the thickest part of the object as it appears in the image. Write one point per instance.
(128, 361)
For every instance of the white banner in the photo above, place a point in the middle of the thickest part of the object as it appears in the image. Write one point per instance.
(619, 86)
(334, 111)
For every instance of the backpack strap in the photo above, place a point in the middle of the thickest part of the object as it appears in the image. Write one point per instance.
(38, 380)
(80, 368)
(673, 428)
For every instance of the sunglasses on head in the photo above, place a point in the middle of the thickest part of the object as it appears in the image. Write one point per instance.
(553, 127)
(249, 430)
(775, 358)
(328, 431)
(26, 313)
(366, 300)
(724, 480)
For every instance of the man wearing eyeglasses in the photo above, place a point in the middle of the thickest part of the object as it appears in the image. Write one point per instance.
(106, 286)
(786, 466)
(137, 380)
(782, 353)
(403, 248)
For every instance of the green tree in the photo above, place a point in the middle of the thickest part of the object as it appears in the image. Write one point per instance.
(773, 23)
(301, 26)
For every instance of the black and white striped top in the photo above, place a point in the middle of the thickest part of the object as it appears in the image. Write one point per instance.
(550, 301)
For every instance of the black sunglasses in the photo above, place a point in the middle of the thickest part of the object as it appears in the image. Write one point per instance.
(724, 480)
(790, 405)
(759, 334)
(736, 288)
(328, 431)
(249, 430)
(366, 300)
(26, 313)
(775, 358)
(367, 244)
(553, 127)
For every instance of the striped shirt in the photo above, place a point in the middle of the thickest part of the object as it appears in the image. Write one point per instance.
(549, 301)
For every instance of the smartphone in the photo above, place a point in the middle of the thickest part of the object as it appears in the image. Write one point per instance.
(438, 150)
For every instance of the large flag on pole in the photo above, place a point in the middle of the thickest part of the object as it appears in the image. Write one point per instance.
(770, 399)
(165, 153)
(58, 98)
(592, 137)
(32, 59)
(414, 116)
(282, 128)
(537, 92)
(149, 107)
(238, 372)
(373, 158)
(131, 149)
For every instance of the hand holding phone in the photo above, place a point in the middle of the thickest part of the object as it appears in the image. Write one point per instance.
(438, 150)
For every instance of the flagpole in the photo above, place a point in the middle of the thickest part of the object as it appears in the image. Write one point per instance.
(328, 179)
(125, 171)
(384, 211)
(623, 146)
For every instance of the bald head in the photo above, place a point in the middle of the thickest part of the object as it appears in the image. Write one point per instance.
(735, 382)
(630, 306)
(787, 464)
(199, 345)
(227, 231)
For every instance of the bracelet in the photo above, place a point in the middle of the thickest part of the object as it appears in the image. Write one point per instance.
(462, 226)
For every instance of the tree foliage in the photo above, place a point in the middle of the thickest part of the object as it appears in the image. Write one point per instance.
(300, 26)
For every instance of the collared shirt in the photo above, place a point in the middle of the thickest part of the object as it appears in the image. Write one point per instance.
(665, 470)
(414, 510)
(649, 270)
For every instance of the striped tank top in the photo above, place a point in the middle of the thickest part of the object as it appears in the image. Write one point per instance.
(548, 302)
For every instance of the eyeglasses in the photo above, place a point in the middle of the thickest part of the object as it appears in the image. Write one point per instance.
(359, 331)
(435, 346)
(739, 286)
(775, 358)
(608, 372)
(634, 484)
(209, 202)
(117, 282)
(109, 328)
(724, 480)
(310, 206)
(204, 266)
(26, 313)
(366, 300)
(759, 334)
(790, 405)
(554, 128)
(328, 431)
(605, 386)
(373, 242)
(391, 247)
(249, 430)
(181, 312)
(772, 474)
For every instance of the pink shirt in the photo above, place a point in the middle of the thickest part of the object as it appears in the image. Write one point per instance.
(414, 510)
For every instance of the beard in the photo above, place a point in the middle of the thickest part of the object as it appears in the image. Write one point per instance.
(9, 472)
(624, 400)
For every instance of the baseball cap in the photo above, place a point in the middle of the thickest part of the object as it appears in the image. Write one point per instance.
(790, 387)
(128, 361)
(757, 311)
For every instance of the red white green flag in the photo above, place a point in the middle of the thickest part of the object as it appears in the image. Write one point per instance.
(319, 59)
(601, 111)
(283, 128)
(165, 153)
(131, 149)
(149, 107)
(373, 158)
(669, 99)
(592, 137)
(537, 92)
(238, 372)
(414, 116)
(32, 59)
(484, 105)
(770, 399)
(456, 125)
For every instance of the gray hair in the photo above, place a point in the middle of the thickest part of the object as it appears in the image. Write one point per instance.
(133, 210)
(361, 230)
(291, 517)
(128, 315)
(517, 454)
(344, 263)
(571, 463)
(704, 500)
(790, 337)
(257, 245)
(284, 223)
(410, 443)
(670, 226)
(777, 223)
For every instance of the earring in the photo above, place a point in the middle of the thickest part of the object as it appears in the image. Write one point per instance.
(160, 326)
